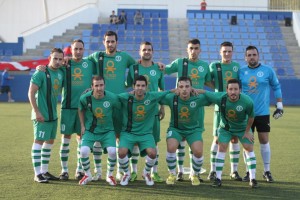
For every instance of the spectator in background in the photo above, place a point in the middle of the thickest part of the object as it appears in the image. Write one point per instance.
(203, 5)
(122, 18)
(113, 18)
(138, 18)
(68, 52)
(5, 84)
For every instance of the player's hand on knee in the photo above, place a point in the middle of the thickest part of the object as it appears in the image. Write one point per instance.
(279, 110)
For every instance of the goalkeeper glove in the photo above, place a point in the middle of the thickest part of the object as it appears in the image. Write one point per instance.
(279, 110)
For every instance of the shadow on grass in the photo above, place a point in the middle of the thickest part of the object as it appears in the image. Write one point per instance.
(228, 190)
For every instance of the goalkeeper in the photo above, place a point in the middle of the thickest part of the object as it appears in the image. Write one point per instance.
(256, 80)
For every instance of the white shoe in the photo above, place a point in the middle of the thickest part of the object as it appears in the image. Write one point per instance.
(111, 180)
(97, 177)
(125, 179)
(85, 180)
(148, 179)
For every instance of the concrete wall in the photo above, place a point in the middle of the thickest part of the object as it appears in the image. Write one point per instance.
(22, 18)
(296, 25)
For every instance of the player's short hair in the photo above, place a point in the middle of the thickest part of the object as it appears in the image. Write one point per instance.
(140, 78)
(97, 78)
(56, 50)
(250, 47)
(147, 43)
(232, 81)
(78, 40)
(194, 41)
(184, 78)
(110, 33)
(226, 44)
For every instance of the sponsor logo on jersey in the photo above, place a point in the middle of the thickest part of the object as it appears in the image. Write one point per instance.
(99, 115)
(184, 115)
(194, 74)
(231, 114)
(56, 87)
(140, 113)
(228, 76)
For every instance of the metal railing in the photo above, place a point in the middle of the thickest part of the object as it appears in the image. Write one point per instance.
(286, 5)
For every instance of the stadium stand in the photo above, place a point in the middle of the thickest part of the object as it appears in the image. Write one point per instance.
(261, 29)
(154, 29)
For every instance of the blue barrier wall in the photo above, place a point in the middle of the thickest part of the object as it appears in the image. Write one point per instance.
(291, 95)
(10, 49)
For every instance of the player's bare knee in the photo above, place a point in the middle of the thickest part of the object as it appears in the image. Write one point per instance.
(197, 154)
(122, 153)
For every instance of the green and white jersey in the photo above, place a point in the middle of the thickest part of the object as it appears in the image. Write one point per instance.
(141, 118)
(114, 69)
(237, 113)
(197, 71)
(185, 117)
(77, 78)
(49, 89)
(229, 71)
(99, 110)
(153, 74)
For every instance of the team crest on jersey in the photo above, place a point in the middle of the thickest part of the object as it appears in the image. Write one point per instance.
(235, 68)
(106, 104)
(147, 102)
(193, 104)
(239, 108)
(201, 69)
(84, 65)
(260, 74)
(152, 72)
(118, 58)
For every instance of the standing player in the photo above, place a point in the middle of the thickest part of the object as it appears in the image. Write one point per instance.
(237, 116)
(138, 118)
(256, 81)
(77, 78)
(221, 72)
(185, 124)
(111, 65)
(198, 71)
(155, 81)
(43, 91)
(95, 113)
(5, 84)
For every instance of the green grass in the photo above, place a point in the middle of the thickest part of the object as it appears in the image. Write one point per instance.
(16, 175)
